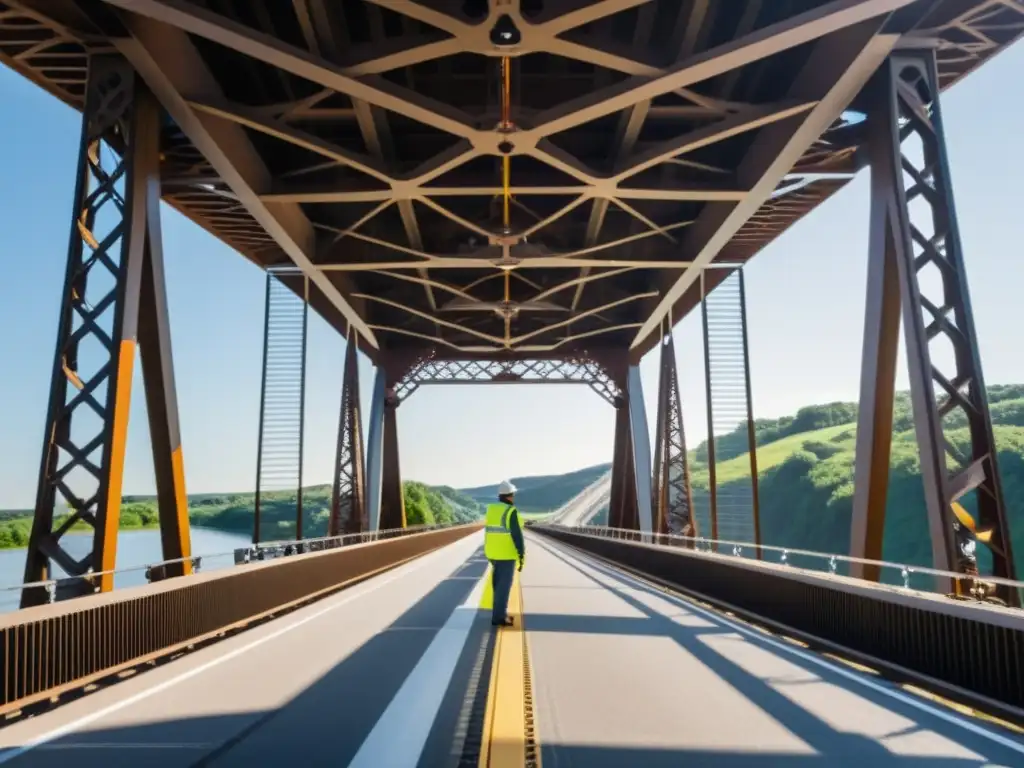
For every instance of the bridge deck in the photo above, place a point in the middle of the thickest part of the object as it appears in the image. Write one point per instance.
(387, 674)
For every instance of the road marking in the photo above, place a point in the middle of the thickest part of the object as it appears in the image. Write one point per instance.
(124, 745)
(810, 657)
(504, 735)
(74, 725)
(400, 734)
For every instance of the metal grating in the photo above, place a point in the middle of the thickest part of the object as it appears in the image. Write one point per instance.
(732, 505)
(282, 404)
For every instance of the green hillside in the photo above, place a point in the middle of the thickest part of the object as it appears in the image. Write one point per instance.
(805, 467)
(805, 464)
(542, 493)
(233, 512)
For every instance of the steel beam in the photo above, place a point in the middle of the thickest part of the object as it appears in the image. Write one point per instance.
(641, 445)
(659, 485)
(622, 461)
(834, 74)
(177, 74)
(392, 511)
(880, 348)
(114, 261)
(673, 497)
(348, 508)
(375, 451)
(735, 515)
(154, 334)
(279, 452)
(907, 106)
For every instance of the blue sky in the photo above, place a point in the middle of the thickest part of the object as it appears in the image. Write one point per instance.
(805, 301)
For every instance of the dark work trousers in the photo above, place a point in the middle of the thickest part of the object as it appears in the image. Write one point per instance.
(503, 573)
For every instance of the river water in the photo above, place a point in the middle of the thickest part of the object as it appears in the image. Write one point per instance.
(135, 549)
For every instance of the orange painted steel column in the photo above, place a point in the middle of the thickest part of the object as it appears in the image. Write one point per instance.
(154, 335)
(108, 277)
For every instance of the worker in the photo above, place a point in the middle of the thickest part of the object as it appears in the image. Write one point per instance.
(503, 546)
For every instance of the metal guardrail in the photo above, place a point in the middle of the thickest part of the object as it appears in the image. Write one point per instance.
(51, 649)
(968, 651)
(915, 578)
(159, 570)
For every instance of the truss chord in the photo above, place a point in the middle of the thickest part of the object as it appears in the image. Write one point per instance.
(435, 369)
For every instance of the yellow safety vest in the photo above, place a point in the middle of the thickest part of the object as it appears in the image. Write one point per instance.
(498, 544)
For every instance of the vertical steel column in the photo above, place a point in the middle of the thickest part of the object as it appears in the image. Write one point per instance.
(348, 508)
(302, 407)
(375, 450)
(710, 442)
(659, 485)
(157, 360)
(282, 398)
(755, 494)
(257, 516)
(673, 496)
(111, 241)
(392, 511)
(735, 513)
(907, 106)
(641, 444)
(622, 457)
(881, 343)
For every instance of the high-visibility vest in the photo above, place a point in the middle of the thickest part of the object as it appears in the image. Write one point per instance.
(498, 544)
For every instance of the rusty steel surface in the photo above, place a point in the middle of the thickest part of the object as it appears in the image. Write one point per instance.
(113, 300)
(970, 652)
(46, 650)
(348, 496)
(917, 274)
(583, 370)
(673, 496)
(363, 141)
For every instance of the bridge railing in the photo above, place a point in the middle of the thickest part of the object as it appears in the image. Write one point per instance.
(911, 577)
(159, 570)
(966, 650)
(51, 649)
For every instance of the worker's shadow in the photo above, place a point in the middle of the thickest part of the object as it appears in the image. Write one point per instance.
(831, 746)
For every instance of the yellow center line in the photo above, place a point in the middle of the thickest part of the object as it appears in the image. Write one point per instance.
(505, 727)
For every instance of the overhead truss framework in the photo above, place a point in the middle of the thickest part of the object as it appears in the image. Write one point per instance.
(565, 371)
(366, 143)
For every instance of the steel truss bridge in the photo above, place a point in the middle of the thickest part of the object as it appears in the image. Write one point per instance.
(509, 191)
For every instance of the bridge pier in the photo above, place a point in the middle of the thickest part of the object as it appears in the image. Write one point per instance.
(916, 271)
(114, 299)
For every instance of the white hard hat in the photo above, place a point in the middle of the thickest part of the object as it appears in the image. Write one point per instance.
(506, 488)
